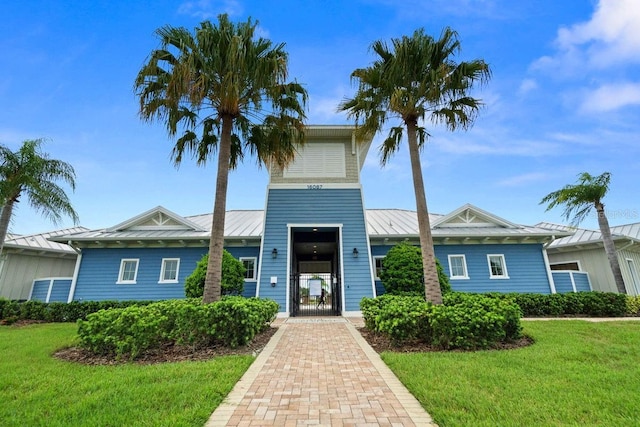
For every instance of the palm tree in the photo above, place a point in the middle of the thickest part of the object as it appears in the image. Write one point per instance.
(32, 173)
(578, 199)
(230, 87)
(414, 79)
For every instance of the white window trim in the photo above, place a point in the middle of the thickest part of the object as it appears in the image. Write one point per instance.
(255, 267)
(375, 271)
(504, 266)
(162, 270)
(577, 261)
(464, 265)
(121, 272)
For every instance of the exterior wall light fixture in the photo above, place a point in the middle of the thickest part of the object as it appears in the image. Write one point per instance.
(274, 253)
(355, 252)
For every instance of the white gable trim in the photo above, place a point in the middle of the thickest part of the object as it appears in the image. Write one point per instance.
(160, 219)
(471, 216)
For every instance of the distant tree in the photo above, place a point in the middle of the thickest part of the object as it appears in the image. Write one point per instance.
(578, 200)
(222, 88)
(401, 271)
(232, 276)
(415, 79)
(31, 173)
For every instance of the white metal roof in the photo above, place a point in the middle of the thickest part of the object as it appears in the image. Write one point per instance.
(248, 224)
(582, 236)
(41, 242)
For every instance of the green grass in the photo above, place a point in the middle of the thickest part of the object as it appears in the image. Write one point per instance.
(39, 390)
(577, 373)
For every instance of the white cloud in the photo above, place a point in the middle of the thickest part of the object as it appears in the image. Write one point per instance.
(610, 38)
(611, 97)
(527, 86)
(524, 179)
(206, 9)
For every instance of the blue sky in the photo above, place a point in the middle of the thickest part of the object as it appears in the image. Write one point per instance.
(564, 99)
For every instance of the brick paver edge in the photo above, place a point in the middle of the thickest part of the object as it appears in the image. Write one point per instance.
(222, 414)
(417, 413)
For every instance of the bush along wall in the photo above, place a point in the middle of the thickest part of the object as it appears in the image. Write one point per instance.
(126, 333)
(13, 311)
(479, 321)
(467, 321)
(579, 304)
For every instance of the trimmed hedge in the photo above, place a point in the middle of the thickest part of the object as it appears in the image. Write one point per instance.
(587, 304)
(12, 311)
(127, 332)
(633, 305)
(464, 321)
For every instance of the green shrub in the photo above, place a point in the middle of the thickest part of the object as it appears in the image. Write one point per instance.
(11, 311)
(402, 272)
(633, 305)
(126, 332)
(405, 318)
(475, 322)
(233, 272)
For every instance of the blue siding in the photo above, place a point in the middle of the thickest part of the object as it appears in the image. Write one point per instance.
(562, 280)
(247, 252)
(40, 290)
(60, 290)
(582, 282)
(100, 267)
(328, 206)
(524, 262)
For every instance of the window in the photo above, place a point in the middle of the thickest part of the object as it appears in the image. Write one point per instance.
(128, 271)
(250, 266)
(497, 267)
(169, 271)
(377, 262)
(458, 267)
(634, 275)
(568, 265)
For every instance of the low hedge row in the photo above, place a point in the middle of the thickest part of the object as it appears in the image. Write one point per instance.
(12, 311)
(126, 332)
(633, 305)
(586, 304)
(465, 322)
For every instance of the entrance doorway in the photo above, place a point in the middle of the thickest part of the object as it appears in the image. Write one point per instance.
(315, 281)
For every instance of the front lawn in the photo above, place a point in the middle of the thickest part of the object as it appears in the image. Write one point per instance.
(38, 389)
(577, 373)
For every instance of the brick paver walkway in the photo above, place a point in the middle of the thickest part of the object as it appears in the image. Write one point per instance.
(319, 371)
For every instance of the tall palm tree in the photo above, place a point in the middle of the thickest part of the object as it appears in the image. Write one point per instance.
(414, 79)
(222, 89)
(578, 200)
(32, 173)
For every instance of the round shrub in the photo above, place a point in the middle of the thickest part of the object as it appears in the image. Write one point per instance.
(475, 322)
(405, 318)
(402, 271)
(232, 276)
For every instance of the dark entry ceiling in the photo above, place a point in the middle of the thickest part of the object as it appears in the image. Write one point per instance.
(314, 243)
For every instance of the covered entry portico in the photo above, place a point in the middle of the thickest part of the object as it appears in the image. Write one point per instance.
(315, 260)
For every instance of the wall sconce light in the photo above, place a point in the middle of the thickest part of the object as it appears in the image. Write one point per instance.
(355, 252)
(274, 253)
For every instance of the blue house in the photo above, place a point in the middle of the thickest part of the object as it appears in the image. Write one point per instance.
(315, 249)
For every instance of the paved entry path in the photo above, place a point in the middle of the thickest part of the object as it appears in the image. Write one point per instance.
(319, 372)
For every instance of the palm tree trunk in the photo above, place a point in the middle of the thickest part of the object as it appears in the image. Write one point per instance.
(610, 248)
(431, 283)
(5, 218)
(213, 279)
